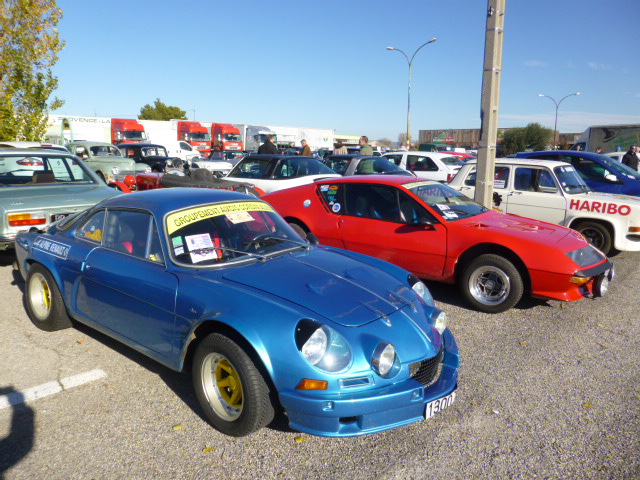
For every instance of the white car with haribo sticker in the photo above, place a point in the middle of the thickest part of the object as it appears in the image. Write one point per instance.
(553, 191)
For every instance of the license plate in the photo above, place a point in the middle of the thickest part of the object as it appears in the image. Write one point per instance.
(439, 405)
(59, 216)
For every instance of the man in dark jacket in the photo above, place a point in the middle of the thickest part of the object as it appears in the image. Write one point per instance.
(268, 146)
(630, 158)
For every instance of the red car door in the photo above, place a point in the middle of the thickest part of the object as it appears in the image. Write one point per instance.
(381, 221)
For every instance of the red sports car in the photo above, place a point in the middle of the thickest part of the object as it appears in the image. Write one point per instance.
(439, 234)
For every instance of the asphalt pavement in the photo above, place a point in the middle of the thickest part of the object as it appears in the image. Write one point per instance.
(547, 390)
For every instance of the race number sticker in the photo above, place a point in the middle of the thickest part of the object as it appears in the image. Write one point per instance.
(439, 405)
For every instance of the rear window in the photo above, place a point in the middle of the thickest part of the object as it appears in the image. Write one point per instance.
(38, 169)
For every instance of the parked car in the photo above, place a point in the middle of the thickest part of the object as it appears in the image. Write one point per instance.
(439, 234)
(431, 165)
(554, 192)
(192, 178)
(600, 172)
(363, 165)
(36, 145)
(275, 172)
(152, 154)
(345, 344)
(107, 160)
(617, 156)
(465, 157)
(40, 187)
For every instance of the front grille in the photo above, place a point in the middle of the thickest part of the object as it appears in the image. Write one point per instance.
(427, 371)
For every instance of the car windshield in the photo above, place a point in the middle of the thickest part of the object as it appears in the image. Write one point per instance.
(105, 150)
(217, 234)
(154, 152)
(619, 167)
(38, 169)
(449, 203)
(570, 180)
(452, 160)
(379, 165)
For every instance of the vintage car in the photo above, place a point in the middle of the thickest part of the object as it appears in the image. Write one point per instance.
(217, 283)
(42, 186)
(440, 166)
(601, 172)
(363, 165)
(439, 234)
(152, 154)
(192, 178)
(275, 172)
(553, 191)
(107, 160)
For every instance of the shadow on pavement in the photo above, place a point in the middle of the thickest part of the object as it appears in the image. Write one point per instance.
(17, 445)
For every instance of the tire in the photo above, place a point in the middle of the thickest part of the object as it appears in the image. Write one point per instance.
(491, 284)
(597, 235)
(43, 301)
(231, 390)
(299, 230)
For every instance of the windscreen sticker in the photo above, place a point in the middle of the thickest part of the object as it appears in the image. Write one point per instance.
(177, 220)
(450, 214)
(333, 187)
(56, 249)
(411, 185)
(499, 183)
(336, 208)
(306, 203)
(94, 234)
(201, 247)
(324, 188)
(240, 217)
(442, 207)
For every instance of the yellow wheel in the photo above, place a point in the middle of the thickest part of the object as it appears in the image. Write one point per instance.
(44, 302)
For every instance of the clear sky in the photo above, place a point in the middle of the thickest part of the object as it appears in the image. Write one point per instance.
(324, 63)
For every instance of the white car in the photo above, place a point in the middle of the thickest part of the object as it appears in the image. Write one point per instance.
(616, 155)
(276, 172)
(438, 166)
(553, 191)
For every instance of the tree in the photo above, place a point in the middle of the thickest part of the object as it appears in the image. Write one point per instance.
(385, 142)
(532, 137)
(160, 111)
(29, 47)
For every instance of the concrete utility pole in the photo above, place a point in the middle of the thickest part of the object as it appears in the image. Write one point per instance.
(490, 102)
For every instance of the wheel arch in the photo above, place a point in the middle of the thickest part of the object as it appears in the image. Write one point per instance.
(298, 222)
(495, 249)
(600, 221)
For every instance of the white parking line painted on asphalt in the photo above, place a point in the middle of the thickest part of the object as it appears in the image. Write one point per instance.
(50, 388)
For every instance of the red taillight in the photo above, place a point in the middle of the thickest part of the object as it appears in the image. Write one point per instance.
(450, 177)
(30, 162)
(22, 219)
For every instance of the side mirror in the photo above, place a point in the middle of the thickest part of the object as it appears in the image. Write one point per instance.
(611, 178)
(424, 221)
(312, 239)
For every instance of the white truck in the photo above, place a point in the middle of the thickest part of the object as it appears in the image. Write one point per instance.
(255, 135)
(553, 191)
(611, 138)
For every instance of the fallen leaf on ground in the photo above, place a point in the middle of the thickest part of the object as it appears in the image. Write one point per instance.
(207, 449)
(178, 427)
(300, 439)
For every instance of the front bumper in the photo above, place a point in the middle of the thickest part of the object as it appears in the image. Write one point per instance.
(558, 286)
(373, 410)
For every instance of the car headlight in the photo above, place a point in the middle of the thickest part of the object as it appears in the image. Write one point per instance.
(322, 346)
(385, 361)
(440, 321)
(147, 170)
(115, 170)
(586, 256)
(420, 289)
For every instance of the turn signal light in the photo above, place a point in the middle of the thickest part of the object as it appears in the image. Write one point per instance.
(634, 229)
(580, 280)
(21, 219)
(309, 384)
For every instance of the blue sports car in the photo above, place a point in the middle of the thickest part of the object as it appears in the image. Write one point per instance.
(217, 282)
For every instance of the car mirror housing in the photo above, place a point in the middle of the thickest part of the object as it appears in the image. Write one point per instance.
(609, 177)
(313, 240)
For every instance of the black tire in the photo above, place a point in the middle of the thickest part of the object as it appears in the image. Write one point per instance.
(299, 230)
(491, 284)
(231, 390)
(597, 235)
(43, 300)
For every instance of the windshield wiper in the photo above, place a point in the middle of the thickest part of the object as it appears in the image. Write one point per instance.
(270, 239)
(202, 251)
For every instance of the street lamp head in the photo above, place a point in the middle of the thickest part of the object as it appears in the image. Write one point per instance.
(577, 93)
(432, 40)
(541, 95)
(391, 48)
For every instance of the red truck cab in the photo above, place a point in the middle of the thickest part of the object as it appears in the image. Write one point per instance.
(195, 135)
(127, 130)
(226, 137)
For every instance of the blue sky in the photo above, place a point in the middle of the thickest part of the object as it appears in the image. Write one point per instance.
(324, 64)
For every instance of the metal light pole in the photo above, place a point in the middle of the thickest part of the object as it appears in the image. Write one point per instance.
(557, 104)
(410, 62)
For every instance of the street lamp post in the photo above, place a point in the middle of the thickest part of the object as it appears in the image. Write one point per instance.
(557, 104)
(410, 62)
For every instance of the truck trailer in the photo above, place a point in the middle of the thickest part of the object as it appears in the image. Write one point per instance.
(612, 138)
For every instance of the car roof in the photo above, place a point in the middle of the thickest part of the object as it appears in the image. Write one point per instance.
(523, 161)
(581, 153)
(165, 200)
(421, 153)
(379, 179)
(32, 152)
(139, 144)
(89, 143)
(273, 157)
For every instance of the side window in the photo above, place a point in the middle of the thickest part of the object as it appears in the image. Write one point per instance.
(588, 169)
(411, 211)
(546, 182)
(93, 228)
(284, 169)
(534, 180)
(523, 179)
(373, 201)
(421, 164)
(334, 197)
(500, 178)
(129, 232)
(397, 159)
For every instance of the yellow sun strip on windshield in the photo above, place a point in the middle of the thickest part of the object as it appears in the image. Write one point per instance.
(177, 220)
(411, 185)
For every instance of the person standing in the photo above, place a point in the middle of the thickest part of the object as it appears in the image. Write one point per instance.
(306, 149)
(599, 150)
(630, 158)
(340, 149)
(268, 146)
(365, 148)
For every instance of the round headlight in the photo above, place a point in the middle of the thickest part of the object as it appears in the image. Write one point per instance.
(315, 348)
(441, 322)
(115, 170)
(420, 289)
(147, 170)
(384, 358)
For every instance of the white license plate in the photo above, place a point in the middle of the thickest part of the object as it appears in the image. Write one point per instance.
(59, 216)
(439, 404)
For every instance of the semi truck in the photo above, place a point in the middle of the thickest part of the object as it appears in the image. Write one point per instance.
(196, 135)
(226, 137)
(611, 138)
(255, 135)
(127, 130)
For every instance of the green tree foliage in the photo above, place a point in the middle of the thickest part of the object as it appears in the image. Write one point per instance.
(532, 137)
(29, 47)
(160, 111)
